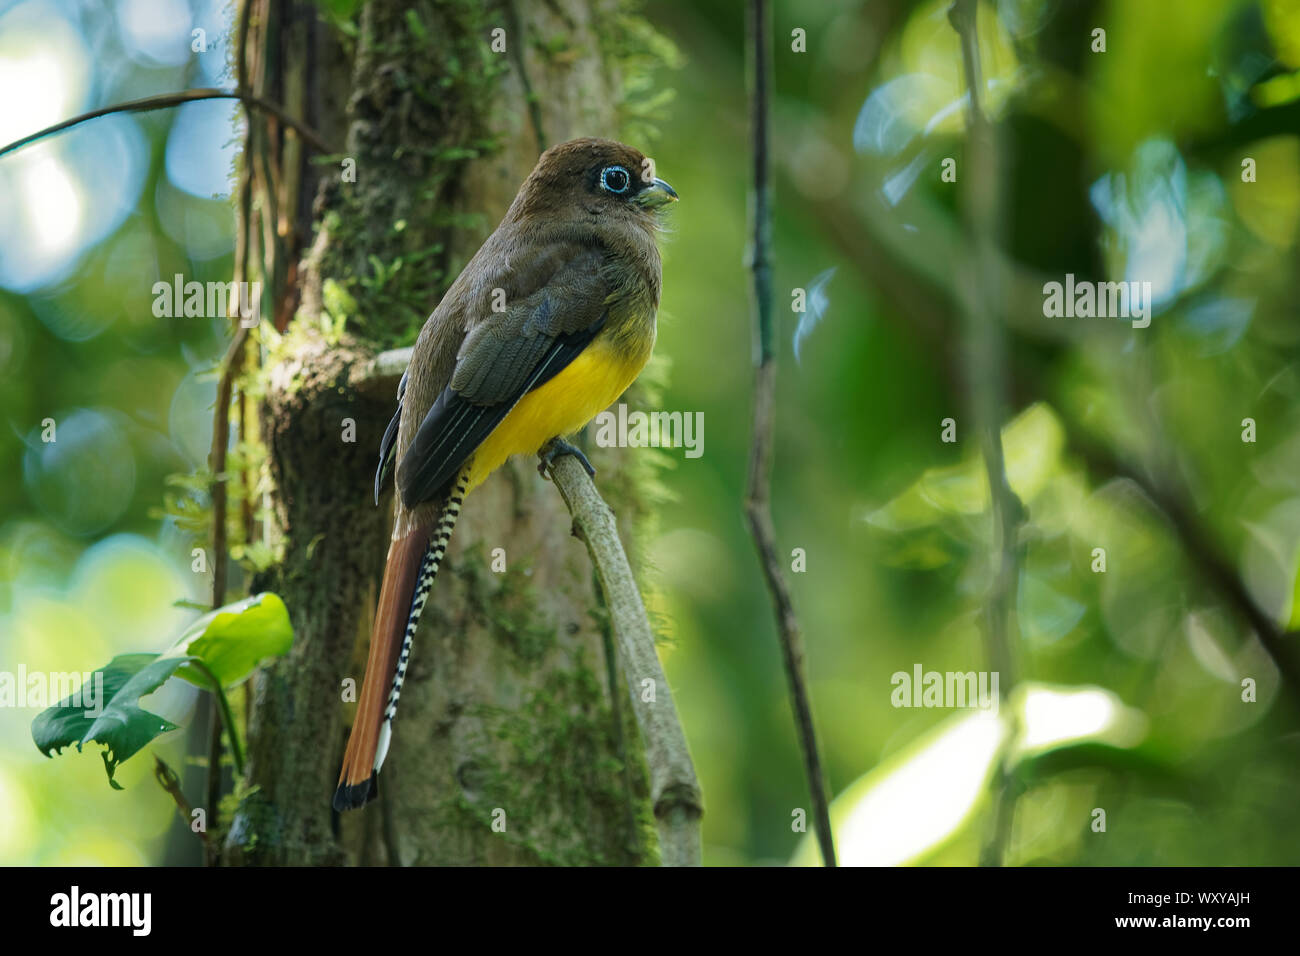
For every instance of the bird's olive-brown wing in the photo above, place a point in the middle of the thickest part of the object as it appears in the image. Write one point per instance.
(504, 356)
(388, 444)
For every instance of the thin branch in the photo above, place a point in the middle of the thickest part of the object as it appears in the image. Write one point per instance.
(165, 101)
(217, 458)
(674, 789)
(220, 566)
(213, 791)
(169, 781)
(986, 356)
(758, 490)
(220, 440)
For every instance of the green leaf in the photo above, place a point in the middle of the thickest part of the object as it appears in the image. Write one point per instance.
(115, 720)
(225, 645)
(232, 641)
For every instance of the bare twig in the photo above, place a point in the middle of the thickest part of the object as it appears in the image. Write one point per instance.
(986, 357)
(167, 100)
(169, 781)
(243, 250)
(220, 439)
(674, 789)
(758, 489)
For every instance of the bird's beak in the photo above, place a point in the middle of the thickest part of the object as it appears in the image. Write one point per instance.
(657, 194)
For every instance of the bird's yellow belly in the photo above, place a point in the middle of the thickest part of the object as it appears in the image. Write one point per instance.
(586, 386)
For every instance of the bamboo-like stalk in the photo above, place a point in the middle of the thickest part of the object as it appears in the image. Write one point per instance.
(986, 362)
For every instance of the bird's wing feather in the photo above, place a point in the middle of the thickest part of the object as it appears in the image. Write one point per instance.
(504, 356)
(388, 445)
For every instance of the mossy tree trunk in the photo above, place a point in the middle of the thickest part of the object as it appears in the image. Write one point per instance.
(508, 747)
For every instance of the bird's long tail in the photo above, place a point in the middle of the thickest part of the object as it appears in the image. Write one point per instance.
(412, 565)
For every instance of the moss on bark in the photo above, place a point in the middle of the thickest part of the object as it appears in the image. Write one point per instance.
(506, 750)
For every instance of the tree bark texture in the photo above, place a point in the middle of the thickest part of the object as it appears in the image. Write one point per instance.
(508, 747)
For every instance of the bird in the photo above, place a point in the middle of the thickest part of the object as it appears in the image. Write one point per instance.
(547, 325)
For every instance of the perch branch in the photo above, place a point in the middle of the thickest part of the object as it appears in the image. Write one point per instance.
(674, 789)
(758, 490)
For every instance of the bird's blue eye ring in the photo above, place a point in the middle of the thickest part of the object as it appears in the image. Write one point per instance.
(615, 179)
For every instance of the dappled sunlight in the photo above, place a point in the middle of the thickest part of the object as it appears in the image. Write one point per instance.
(894, 817)
(157, 32)
(44, 78)
(53, 213)
(199, 159)
(919, 798)
(1058, 716)
(43, 71)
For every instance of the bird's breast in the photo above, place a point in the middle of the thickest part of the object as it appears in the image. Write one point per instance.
(578, 393)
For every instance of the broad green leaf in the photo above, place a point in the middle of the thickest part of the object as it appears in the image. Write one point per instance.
(227, 643)
(231, 641)
(114, 719)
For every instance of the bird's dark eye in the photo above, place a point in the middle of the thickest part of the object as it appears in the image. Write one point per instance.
(615, 179)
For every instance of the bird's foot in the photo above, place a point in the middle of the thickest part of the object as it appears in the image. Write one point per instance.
(557, 447)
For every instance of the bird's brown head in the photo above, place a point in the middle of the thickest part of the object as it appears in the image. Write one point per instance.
(594, 180)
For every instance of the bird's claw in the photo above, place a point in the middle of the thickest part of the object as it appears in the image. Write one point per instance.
(557, 447)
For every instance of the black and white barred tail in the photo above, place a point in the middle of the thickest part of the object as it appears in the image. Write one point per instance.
(409, 571)
(424, 584)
